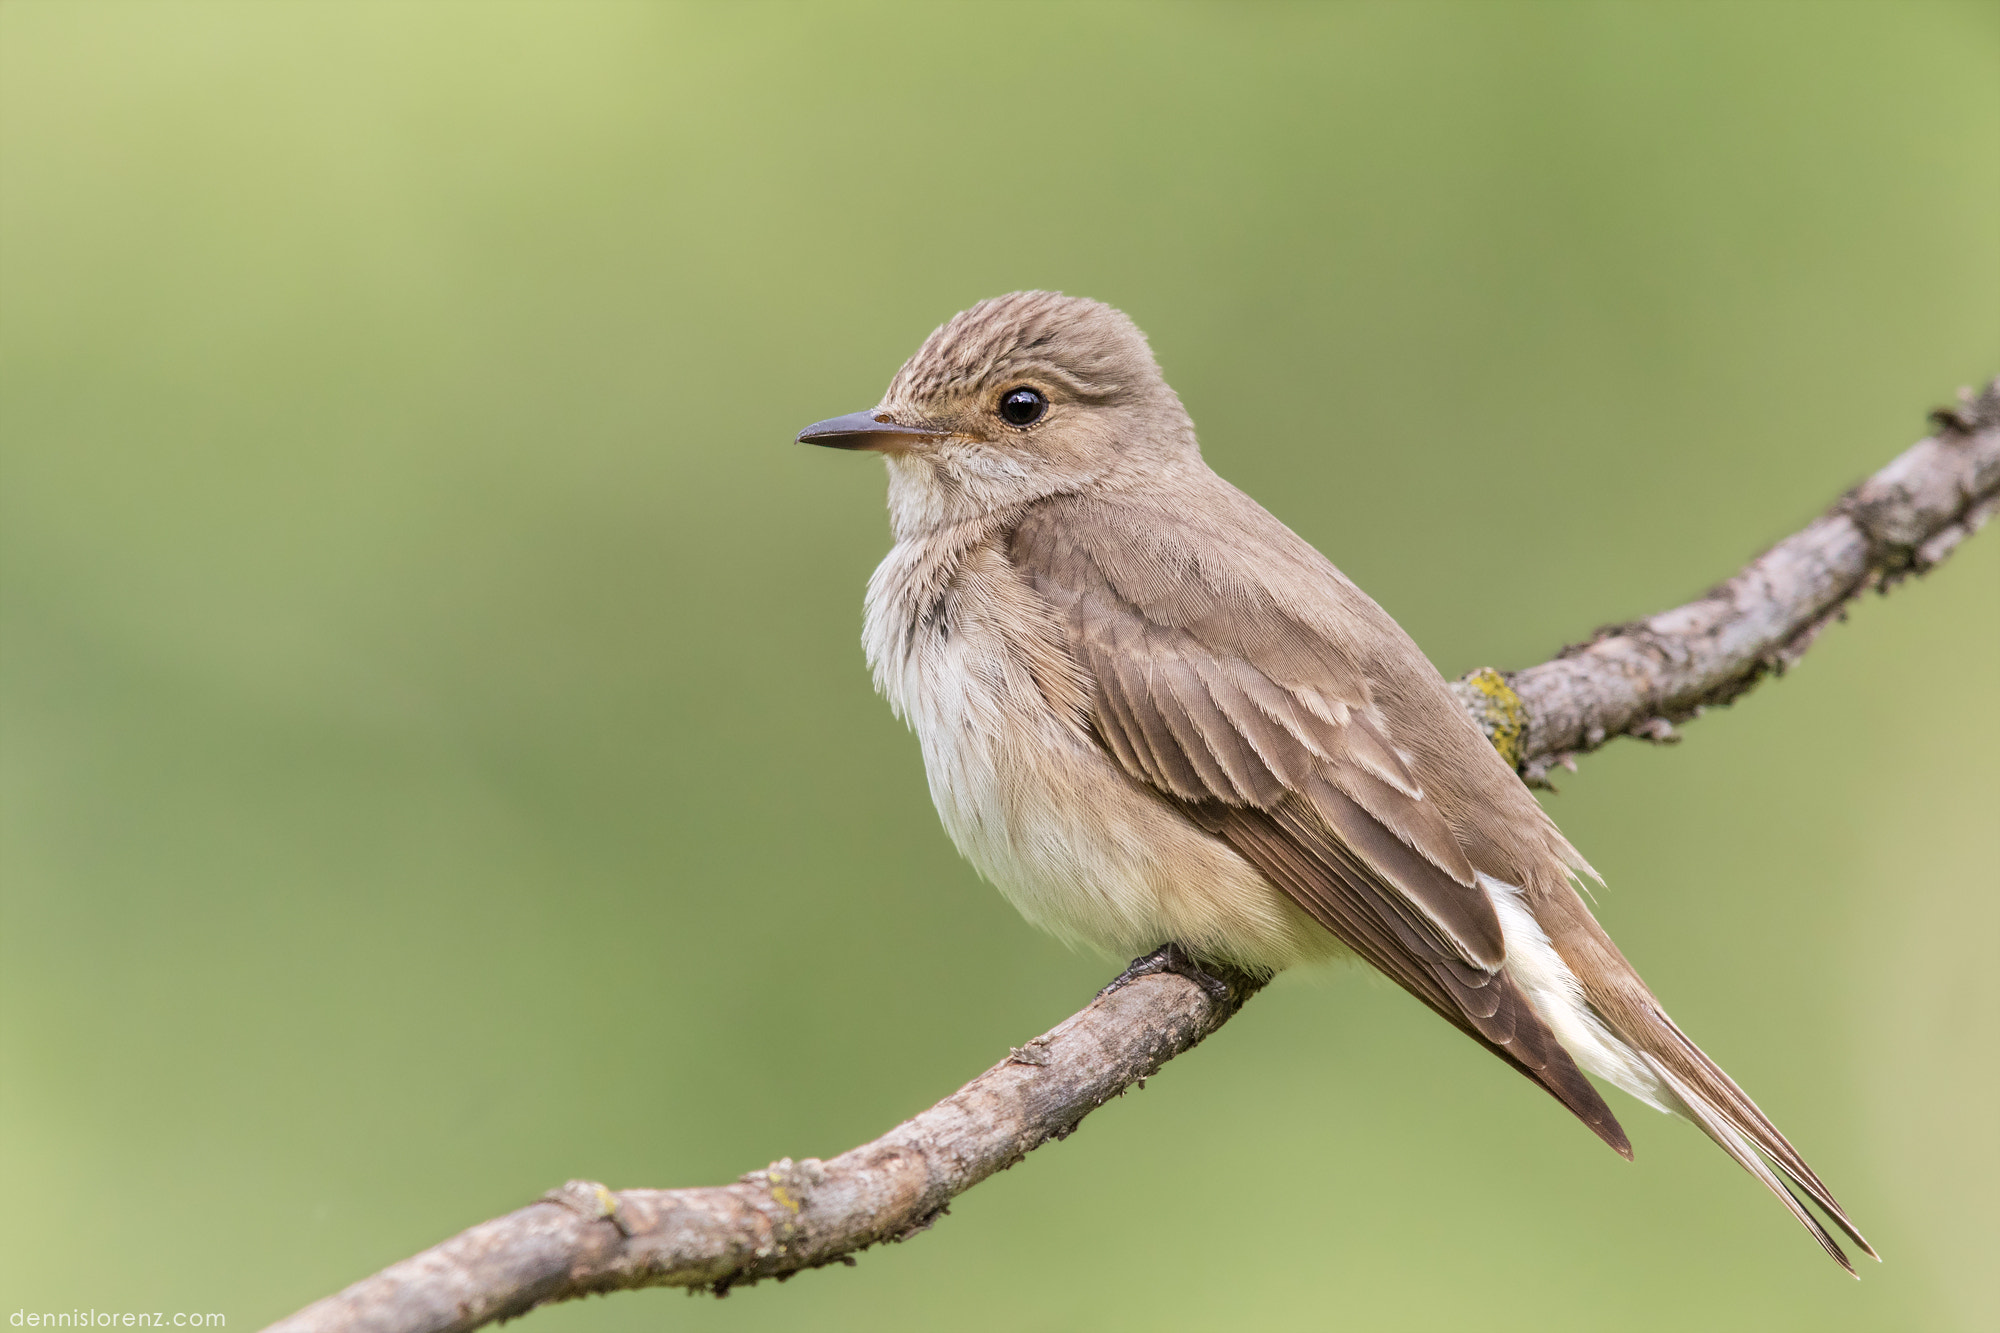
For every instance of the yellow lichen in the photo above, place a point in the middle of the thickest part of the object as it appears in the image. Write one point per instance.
(1502, 715)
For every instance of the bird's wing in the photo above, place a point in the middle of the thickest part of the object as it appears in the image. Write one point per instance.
(1264, 730)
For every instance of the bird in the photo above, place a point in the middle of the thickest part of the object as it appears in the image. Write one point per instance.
(1164, 725)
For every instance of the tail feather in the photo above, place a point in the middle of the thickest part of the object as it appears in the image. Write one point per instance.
(1619, 1032)
(1699, 1080)
(1714, 1123)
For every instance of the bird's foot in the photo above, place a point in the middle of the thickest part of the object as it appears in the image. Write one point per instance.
(1171, 957)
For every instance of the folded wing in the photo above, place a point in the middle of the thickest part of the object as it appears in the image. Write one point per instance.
(1264, 731)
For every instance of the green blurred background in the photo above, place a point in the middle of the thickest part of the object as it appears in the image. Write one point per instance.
(439, 761)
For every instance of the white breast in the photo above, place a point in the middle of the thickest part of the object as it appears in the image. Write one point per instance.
(1030, 797)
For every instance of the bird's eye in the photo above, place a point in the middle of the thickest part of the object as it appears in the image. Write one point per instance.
(1023, 406)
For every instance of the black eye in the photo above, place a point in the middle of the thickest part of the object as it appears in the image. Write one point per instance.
(1023, 406)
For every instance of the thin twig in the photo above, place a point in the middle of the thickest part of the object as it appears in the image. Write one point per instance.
(1638, 679)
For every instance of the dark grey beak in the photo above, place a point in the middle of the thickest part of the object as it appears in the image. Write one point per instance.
(864, 430)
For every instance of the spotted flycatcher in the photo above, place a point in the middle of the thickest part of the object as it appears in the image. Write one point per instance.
(1158, 719)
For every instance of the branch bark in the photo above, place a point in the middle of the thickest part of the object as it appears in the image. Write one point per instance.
(790, 1216)
(1642, 678)
(1637, 680)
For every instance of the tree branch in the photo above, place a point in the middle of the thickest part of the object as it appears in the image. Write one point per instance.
(791, 1216)
(1637, 679)
(1640, 679)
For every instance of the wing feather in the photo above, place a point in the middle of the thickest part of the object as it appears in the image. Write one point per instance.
(1265, 734)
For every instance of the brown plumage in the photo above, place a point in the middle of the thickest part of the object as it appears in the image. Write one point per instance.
(1150, 713)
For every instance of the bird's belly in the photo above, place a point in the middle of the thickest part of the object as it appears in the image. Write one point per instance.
(1077, 846)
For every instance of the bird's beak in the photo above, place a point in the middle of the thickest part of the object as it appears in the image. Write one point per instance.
(866, 430)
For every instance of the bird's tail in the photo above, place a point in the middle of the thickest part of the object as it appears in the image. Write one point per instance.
(1647, 1053)
(1703, 1093)
(1604, 1015)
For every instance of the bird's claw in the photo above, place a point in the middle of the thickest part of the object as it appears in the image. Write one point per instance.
(1171, 957)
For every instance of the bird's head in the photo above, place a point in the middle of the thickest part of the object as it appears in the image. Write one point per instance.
(1020, 397)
